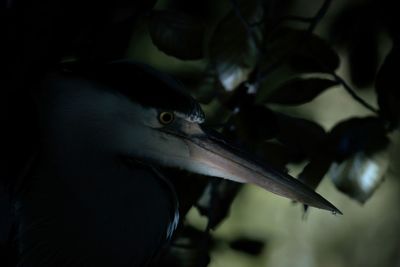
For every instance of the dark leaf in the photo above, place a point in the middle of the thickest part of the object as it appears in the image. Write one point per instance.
(303, 137)
(233, 45)
(315, 55)
(388, 15)
(255, 124)
(361, 174)
(303, 51)
(202, 83)
(190, 247)
(387, 87)
(275, 79)
(275, 154)
(363, 56)
(188, 186)
(200, 9)
(208, 89)
(315, 170)
(247, 245)
(275, 10)
(216, 200)
(238, 99)
(355, 29)
(357, 134)
(252, 127)
(299, 91)
(177, 34)
(343, 25)
(313, 173)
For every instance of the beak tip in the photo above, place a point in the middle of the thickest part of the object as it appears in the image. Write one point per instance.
(333, 209)
(337, 211)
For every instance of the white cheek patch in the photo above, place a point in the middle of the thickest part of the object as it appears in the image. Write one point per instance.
(151, 144)
(141, 115)
(208, 170)
(192, 119)
(211, 164)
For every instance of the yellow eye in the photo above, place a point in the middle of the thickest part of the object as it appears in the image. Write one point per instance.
(166, 117)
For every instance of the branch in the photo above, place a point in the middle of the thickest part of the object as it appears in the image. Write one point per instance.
(246, 24)
(318, 17)
(313, 24)
(236, 8)
(353, 94)
(313, 20)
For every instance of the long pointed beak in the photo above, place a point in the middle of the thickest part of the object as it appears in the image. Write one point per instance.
(211, 154)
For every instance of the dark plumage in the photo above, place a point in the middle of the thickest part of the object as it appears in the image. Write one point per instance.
(77, 205)
(143, 84)
(92, 194)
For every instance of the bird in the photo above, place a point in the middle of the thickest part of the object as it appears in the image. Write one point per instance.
(94, 193)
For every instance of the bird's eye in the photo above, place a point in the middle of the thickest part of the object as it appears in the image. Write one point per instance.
(166, 117)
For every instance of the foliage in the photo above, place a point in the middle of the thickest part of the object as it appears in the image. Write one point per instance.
(255, 60)
(256, 54)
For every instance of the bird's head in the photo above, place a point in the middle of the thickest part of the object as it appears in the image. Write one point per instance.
(157, 122)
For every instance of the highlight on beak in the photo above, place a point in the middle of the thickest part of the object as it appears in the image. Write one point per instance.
(211, 154)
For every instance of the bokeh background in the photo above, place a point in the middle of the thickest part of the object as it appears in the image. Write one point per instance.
(43, 34)
(366, 234)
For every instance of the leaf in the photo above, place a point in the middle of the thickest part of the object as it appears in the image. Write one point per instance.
(361, 174)
(188, 186)
(315, 170)
(190, 247)
(302, 136)
(238, 99)
(275, 154)
(233, 48)
(255, 124)
(275, 79)
(299, 91)
(355, 135)
(177, 34)
(248, 245)
(363, 56)
(201, 9)
(313, 173)
(387, 88)
(355, 29)
(208, 89)
(303, 51)
(202, 83)
(216, 200)
(343, 25)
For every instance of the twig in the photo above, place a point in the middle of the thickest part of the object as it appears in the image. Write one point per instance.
(318, 17)
(352, 93)
(246, 24)
(313, 24)
(236, 8)
(312, 20)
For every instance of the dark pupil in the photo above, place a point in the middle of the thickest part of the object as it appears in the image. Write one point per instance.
(166, 117)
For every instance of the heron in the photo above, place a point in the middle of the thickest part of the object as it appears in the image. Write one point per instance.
(94, 194)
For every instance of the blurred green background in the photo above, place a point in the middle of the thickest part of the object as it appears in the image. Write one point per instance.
(366, 235)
